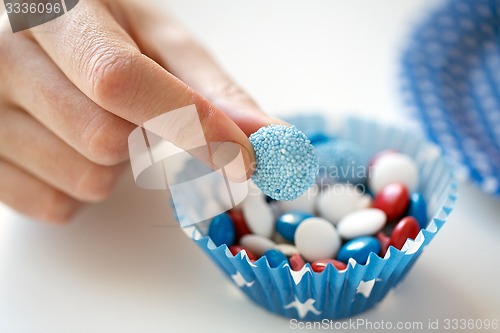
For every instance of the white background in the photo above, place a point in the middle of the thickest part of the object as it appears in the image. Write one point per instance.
(123, 266)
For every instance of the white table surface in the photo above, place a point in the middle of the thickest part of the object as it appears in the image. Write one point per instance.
(124, 266)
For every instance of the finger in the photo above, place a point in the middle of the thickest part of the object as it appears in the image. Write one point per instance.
(32, 197)
(97, 55)
(174, 48)
(27, 144)
(58, 104)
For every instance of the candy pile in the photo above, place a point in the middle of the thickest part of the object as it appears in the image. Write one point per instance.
(331, 223)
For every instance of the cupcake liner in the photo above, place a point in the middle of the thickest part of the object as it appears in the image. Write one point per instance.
(333, 294)
(450, 81)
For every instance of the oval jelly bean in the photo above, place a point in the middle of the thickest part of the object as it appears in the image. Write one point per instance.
(363, 222)
(287, 224)
(221, 230)
(418, 209)
(338, 200)
(320, 265)
(359, 249)
(406, 228)
(393, 168)
(316, 238)
(384, 243)
(239, 222)
(235, 249)
(296, 262)
(275, 258)
(287, 249)
(393, 200)
(258, 215)
(257, 244)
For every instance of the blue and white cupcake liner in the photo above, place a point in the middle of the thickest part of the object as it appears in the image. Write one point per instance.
(333, 294)
(451, 79)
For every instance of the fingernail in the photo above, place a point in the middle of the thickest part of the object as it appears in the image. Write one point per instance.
(234, 159)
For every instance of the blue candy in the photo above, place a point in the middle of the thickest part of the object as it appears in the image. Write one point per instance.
(319, 138)
(221, 230)
(287, 224)
(275, 257)
(340, 161)
(287, 164)
(359, 249)
(418, 209)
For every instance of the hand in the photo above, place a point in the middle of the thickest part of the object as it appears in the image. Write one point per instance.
(74, 88)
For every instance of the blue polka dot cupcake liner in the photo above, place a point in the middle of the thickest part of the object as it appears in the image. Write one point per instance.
(333, 294)
(451, 81)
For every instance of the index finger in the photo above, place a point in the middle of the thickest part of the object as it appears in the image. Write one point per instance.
(103, 61)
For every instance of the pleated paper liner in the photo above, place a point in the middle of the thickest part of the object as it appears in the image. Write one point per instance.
(333, 294)
(451, 82)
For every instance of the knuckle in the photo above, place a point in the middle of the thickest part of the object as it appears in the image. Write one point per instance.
(56, 207)
(107, 140)
(96, 183)
(112, 75)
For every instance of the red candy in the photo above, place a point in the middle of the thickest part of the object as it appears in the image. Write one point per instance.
(235, 249)
(406, 228)
(296, 262)
(393, 199)
(239, 222)
(384, 243)
(320, 265)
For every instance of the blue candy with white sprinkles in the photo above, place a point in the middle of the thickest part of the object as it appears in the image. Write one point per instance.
(340, 161)
(451, 76)
(287, 164)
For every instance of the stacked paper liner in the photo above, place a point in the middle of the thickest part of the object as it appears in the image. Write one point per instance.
(333, 294)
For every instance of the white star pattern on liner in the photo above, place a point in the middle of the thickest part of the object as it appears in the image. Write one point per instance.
(297, 275)
(412, 246)
(365, 287)
(240, 280)
(303, 308)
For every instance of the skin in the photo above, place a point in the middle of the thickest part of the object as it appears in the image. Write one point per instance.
(74, 88)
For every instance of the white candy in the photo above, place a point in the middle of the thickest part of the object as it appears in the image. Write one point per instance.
(363, 222)
(393, 168)
(338, 200)
(305, 203)
(257, 244)
(258, 215)
(287, 249)
(316, 238)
